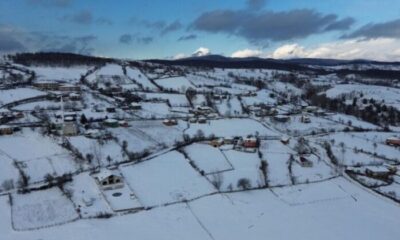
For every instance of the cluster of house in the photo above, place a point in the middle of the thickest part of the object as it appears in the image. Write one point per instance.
(201, 114)
(263, 110)
(57, 86)
(7, 116)
(249, 142)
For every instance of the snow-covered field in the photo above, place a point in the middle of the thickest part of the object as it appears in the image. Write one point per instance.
(37, 155)
(296, 127)
(245, 166)
(87, 195)
(326, 210)
(180, 84)
(137, 76)
(41, 209)
(208, 158)
(12, 95)
(230, 127)
(391, 96)
(350, 143)
(68, 74)
(165, 179)
(277, 156)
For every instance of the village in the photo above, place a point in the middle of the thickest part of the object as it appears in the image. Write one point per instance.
(119, 139)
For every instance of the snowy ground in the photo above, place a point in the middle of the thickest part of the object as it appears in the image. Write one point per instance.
(230, 127)
(12, 95)
(41, 209)
(208, 158)
(85, 190)
(156, 181)
(180, 84)
(71, 74)
(390, 95)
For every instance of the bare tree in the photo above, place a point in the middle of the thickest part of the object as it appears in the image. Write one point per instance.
(97, 154)
(244, 183)
(217, 179)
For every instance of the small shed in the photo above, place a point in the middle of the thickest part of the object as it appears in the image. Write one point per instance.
(281, 118)
(135, 106)
(170, 122)
(111, 123)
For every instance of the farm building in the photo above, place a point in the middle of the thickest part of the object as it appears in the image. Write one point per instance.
(111, 123)
(285, 140)
(69, 88)
(170, 122)
(281, 118)
(135, 106)
(382, 172)
(109, 180)
(304, 162)
(250, 142)
(74, 96)
(217, 142)
(70, 128)
(52, 86)
(393, 141)
(6, 130)
(202, 120)
(305, 119)
(123, 124)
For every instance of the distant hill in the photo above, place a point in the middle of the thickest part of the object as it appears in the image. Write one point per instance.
(218, 61)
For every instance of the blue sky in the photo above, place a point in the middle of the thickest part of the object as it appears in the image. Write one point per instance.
(164, 29)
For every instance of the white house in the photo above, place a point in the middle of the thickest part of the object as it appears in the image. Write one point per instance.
(109, 180)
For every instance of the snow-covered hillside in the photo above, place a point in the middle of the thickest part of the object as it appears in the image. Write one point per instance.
(135, 149)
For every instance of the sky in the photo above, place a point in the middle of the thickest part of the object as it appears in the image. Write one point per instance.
(170, 29)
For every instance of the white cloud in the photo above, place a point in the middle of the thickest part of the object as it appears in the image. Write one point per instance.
(202, 51)
(246, 53)
(289, 51)
(382, 49)
(179, 56)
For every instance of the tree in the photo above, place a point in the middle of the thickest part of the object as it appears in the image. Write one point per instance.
(124, 145)
(49, 179)
(343, 151)
(109, 160)
(7, 184)
(190, 94)
(244, 183)
(23, 180)
(83, 119)
(89, 158)
(301, 146)
(200, 134)
(97, 154)
(264, 170)
(217, 180)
